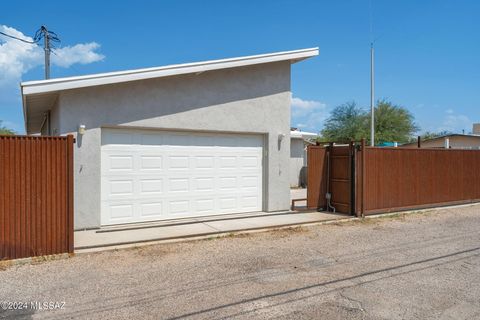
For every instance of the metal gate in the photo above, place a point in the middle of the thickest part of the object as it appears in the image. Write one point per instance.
(341, 175)
(331, 177)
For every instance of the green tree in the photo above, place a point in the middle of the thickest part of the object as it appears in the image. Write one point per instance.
(393, 123)
(346, 122)
(5, 131)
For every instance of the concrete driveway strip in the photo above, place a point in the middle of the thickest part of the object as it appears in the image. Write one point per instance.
(421, 266)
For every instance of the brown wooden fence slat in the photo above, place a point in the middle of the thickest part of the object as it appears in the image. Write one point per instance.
(36, 196)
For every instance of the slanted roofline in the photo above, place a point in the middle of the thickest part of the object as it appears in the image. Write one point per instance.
(39, 96)
(44, 86)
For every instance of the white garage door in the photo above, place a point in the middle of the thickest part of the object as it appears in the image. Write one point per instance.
(148, 175)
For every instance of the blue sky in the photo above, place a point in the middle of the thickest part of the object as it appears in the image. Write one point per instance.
(427, 52)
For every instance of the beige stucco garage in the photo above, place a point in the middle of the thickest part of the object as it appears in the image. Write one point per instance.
(185, 140)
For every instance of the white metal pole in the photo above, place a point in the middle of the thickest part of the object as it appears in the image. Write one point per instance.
(372, 97)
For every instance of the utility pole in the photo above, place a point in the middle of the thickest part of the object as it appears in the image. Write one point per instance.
(49, 37)
(46, 48)
(372, 97)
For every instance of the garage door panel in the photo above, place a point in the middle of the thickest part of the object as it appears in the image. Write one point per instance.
(151, 210)
(204, 184)
(249, 182)
(155, 176)
(179, 162)
(203, 206)
(227, 162)
(228, 202)
(228, 183)
(121, 187)
(151, 187)
(249, 162)
(179, 207)
(120, 163)
(179, 185)
(204, 162)
(118, 188)
(249, 202)
(151, 162)
(121, 211)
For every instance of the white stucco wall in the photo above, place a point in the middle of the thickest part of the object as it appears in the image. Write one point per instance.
(297, 161)
(55, 119)
(252, 99)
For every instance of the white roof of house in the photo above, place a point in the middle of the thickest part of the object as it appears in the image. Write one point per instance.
(295, 134)
(42, 86)
(42, 94)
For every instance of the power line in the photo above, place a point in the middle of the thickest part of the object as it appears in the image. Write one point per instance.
(48, 38)
(20, 39)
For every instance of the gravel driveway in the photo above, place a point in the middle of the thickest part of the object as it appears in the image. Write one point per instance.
(423, 266)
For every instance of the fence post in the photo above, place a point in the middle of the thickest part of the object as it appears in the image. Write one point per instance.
(363, 177)
(419, 142)
(70, 192)
(353, 204)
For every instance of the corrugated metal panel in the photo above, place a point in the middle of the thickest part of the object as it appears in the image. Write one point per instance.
(397, 178)
(330, 170)
(316, 177)
(340, 178)
(36, 196)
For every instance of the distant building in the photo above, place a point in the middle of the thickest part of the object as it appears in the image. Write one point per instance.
(476, 128)
(452, 141)
(299, 140)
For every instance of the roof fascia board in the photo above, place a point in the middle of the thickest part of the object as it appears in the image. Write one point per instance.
(44, 86)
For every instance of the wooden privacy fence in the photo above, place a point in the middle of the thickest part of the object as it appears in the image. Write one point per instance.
(391, 179)
(36, 196)
(399, 179)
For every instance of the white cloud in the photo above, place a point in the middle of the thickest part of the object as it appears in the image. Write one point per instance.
(17, 57)
(308, 115)
(298, 103)
(453, 122)
(82, 53)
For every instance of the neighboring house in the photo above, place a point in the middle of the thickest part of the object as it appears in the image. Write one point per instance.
(451, 141)
(299, 141)
(184, 140)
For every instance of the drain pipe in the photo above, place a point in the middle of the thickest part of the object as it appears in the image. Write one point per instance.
(329, 196)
